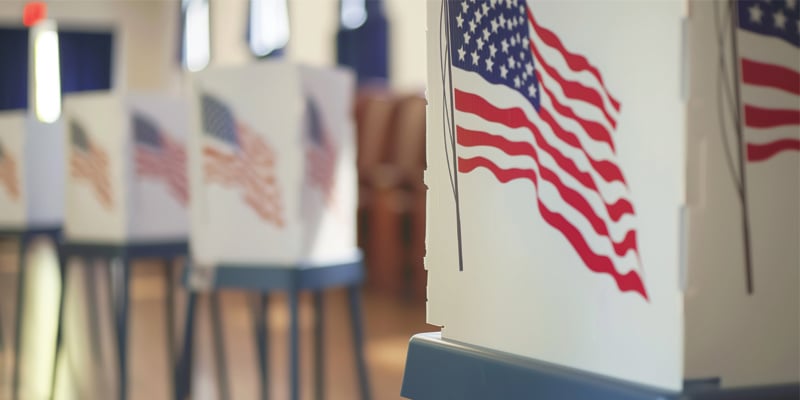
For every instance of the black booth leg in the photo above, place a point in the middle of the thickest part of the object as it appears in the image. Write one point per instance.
(319, 345)
(261, 319)
(354, 296)
(219, 345)
(15, 372)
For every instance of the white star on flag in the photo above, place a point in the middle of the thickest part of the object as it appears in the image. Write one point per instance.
(780, 20)
(755, 13)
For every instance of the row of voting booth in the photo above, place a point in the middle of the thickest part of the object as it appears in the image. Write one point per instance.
(253, 169)
(614, 201)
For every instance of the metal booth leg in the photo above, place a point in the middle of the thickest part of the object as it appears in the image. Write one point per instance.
(62, 267)
(169, 299)
(319, 345)
(121, 306)
(354, 295)
(23, 244)
(183, 374)
(294, 339)
(93, 310)
(219, 345)
(261, 318)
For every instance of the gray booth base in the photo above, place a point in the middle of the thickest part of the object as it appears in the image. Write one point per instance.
(438, 369)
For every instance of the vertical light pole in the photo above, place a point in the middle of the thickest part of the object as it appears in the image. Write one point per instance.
(43, 64)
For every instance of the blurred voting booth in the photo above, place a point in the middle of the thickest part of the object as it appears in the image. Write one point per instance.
(127, 194)
(273, 166)
(31, 174)
(613, 197)
(126, 167)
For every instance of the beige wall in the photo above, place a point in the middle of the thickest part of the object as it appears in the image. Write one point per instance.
(145, 33)
(407, 53)
(313, 36)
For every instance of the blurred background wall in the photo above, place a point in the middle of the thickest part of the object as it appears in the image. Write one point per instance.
(145, 54)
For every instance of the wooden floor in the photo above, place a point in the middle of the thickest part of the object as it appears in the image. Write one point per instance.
(390, 322)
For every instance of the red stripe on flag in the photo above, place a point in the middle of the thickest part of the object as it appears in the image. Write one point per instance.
(574, 90)
(595, 130)
(516, 118)
(628, 282)
(471, 138)
(575, 61)
(770, 75)
(8, 176)
(762, 152)
(757, 117)
(251, 171)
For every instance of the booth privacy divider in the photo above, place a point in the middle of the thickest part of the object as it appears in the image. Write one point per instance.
(588, 205)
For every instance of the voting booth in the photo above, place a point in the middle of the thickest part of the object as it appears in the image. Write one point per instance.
(126, 167)
(31, 174)
(127, 194)
(273, 166)
(588, 205)
(273, 185)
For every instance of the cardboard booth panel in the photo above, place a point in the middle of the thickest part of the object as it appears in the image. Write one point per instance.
(96, 167)
(31, 171)
(746, 338)
(44, 172)
(12, 196)
(159, 197)
(272, 165)
(246, 164)
(556, 176)
(126, 167)
(330, 186)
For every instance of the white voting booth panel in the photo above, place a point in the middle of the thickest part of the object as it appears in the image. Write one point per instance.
(126, 167)
(31, 173)
(558, 222)
(747, 338)
(272, 165)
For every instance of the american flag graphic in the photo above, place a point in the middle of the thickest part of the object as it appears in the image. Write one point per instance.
(236, 156)
(8, 174)
(527, 108)
(769, 56)
(160, 157)
(90, 163)
(320, 154)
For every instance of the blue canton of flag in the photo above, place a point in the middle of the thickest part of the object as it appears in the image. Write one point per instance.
(778, 18)
(145, 132)
(218, 121)
(491, 38)
(315, 128)
(320, 154)
(78, 136)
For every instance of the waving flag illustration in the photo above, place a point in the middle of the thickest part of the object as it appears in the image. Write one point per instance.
(90, 163)
(320, 154)
(8, 174)
(769, 56)
(236, 156)
(159, 157)
(524, 107)
(767, 51)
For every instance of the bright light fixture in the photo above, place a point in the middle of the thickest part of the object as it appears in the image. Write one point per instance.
(269, 26)
(196, 36)
(46, 71)
(354, 13)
